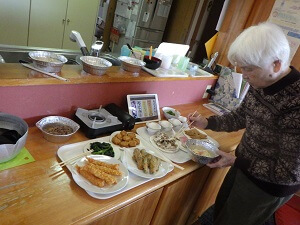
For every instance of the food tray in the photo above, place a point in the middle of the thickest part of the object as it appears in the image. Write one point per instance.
(177, 157)
(69, 151)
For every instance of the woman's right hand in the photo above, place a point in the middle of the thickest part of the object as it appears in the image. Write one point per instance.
(199, 121)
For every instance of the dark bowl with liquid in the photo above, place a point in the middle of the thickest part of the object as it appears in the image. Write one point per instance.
(152, 63)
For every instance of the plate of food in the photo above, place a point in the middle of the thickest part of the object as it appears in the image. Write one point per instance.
(145, 164)
(102, 148)
(165, 143)
(125, 139)
(198, 134)
(100, 174)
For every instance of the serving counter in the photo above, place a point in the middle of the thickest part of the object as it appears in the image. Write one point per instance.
(36, 194)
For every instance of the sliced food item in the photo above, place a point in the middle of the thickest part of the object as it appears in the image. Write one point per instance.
(165, 142)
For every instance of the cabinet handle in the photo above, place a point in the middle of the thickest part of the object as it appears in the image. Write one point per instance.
(68, 21)
(63, 21)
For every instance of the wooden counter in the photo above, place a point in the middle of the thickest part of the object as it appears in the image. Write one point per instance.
(14, 74)
(35, 194)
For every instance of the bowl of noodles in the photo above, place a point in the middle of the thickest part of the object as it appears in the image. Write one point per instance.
(57, 129)
(201, 151)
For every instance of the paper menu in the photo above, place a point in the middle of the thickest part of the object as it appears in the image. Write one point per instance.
(237, 80)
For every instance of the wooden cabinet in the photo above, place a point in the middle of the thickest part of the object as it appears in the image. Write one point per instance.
(52, 21)
(139, 212)
(208, 193)
(14, 18)
(178, 198)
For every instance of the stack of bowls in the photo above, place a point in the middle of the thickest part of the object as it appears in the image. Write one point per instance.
(152, 128)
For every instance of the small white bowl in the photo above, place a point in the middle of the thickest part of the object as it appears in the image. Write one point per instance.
(176, 124)
(170, 112)
(182, 119)
(166, 125)
(152, 128)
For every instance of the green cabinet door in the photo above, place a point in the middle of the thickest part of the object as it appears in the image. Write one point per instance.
(14, 17)
(47, 22)
(81, 17)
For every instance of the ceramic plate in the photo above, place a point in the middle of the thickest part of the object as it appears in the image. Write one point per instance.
(208, 138)
(164, 167)
(116, 150)
(165, 150)
(116, 132)
(108, 189)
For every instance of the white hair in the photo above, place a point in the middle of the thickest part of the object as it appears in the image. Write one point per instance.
(260, 45)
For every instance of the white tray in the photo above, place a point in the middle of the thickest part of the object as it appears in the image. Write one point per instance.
(69, 151)
(177, 157)
(172, 72)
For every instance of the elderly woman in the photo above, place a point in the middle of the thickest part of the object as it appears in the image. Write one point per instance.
(265, 170)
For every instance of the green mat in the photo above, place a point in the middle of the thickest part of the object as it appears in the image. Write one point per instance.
(22, 158)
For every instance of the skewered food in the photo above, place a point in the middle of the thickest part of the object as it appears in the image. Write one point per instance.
(195, 134)
(146, 161)
(125, 139)
(99, 173)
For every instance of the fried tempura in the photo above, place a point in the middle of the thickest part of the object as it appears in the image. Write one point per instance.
(112, 166)
(92, 168)
(195, 134)
(109, 170)
(90, 177)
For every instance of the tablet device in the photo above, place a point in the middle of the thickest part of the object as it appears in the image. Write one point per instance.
(143, 107)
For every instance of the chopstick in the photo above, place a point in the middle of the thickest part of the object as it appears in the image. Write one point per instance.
(150, 53)
(71, 160)
(169, 161)
(41, 71)
(182, 128)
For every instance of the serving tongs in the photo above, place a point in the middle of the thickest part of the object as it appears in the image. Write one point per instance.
(24, 63)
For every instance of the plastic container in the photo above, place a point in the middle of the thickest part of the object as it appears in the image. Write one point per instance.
(125, 51)
(183, 63)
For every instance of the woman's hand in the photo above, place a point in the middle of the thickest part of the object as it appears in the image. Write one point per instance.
(198, 120)
(224, 160)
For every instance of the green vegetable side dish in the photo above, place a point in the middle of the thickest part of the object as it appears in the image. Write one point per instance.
(171, 113)
(102, 148)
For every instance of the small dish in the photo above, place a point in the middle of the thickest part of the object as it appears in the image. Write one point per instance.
(153, 63)
(165, 125)
(176, 124)
(118, 146)
(170, 112)
(152, 128)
